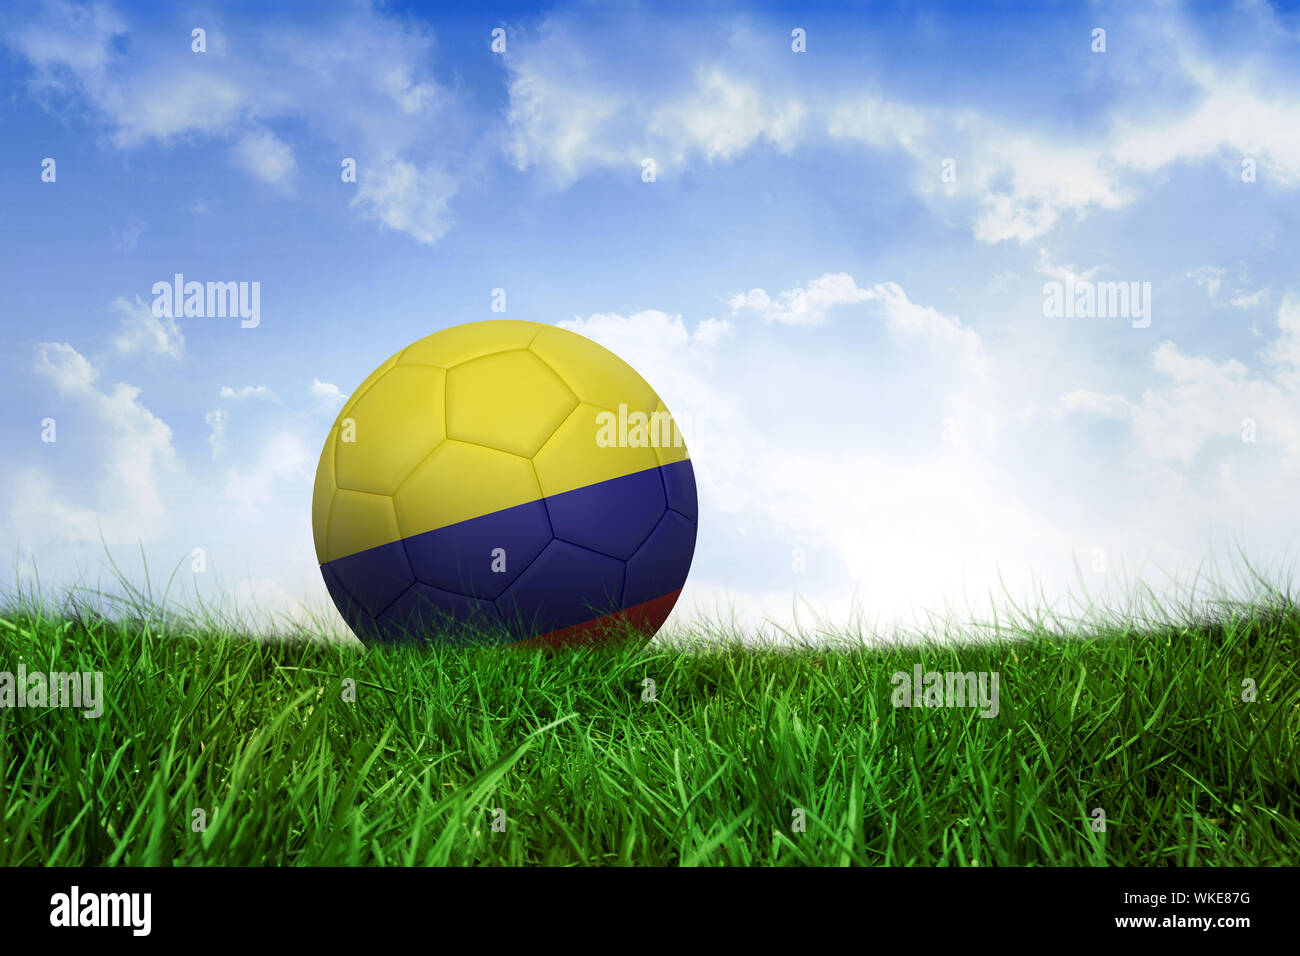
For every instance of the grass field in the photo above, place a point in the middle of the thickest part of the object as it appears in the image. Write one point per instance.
(744, 756)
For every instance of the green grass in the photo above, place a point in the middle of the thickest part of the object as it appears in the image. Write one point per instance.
(1148, 725)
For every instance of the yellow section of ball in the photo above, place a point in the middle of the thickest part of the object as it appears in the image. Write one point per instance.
(472, 420)
(510, 400)
(573, 458)
(395, 425)
(438, 493)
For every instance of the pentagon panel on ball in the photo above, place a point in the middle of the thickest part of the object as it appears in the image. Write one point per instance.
(504, 482)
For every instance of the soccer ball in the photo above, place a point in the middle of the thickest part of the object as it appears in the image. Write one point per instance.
(504, 482)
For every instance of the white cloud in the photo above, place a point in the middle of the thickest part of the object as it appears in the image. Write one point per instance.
(327, 395)
(142, 331)
(70, 38)
(39, 513)
(1046, 180)
(354, 77)
(1233, 119)
(1064, 273)
(265, 156)
(284, 459)
(408, 198)
(216, 421)
(1024, 182)
(800, 306)
(138, 451)
(362, 78)
(246, 392)
(132, 230)
(712, 330)
(114, 478)
(572, 110)
(1003, 279)
(562, 126)
(69, 370)
(723, 116)
(1210, 278)
(575, 107)
(1284, 352)
(942, 331)
(1109, 406)
(1197, 400)
(1244, 300)
(809, 306)
(880, 123)
(1200, 400)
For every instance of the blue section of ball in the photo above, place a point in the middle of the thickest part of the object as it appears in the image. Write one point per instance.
(664, 558)
(679, 484)
(564, 560)
(566, 585)
(422, 612)
(374, 578)
(482, 556)
(612, 517)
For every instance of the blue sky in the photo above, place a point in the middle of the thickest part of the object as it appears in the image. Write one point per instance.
(836, 278)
